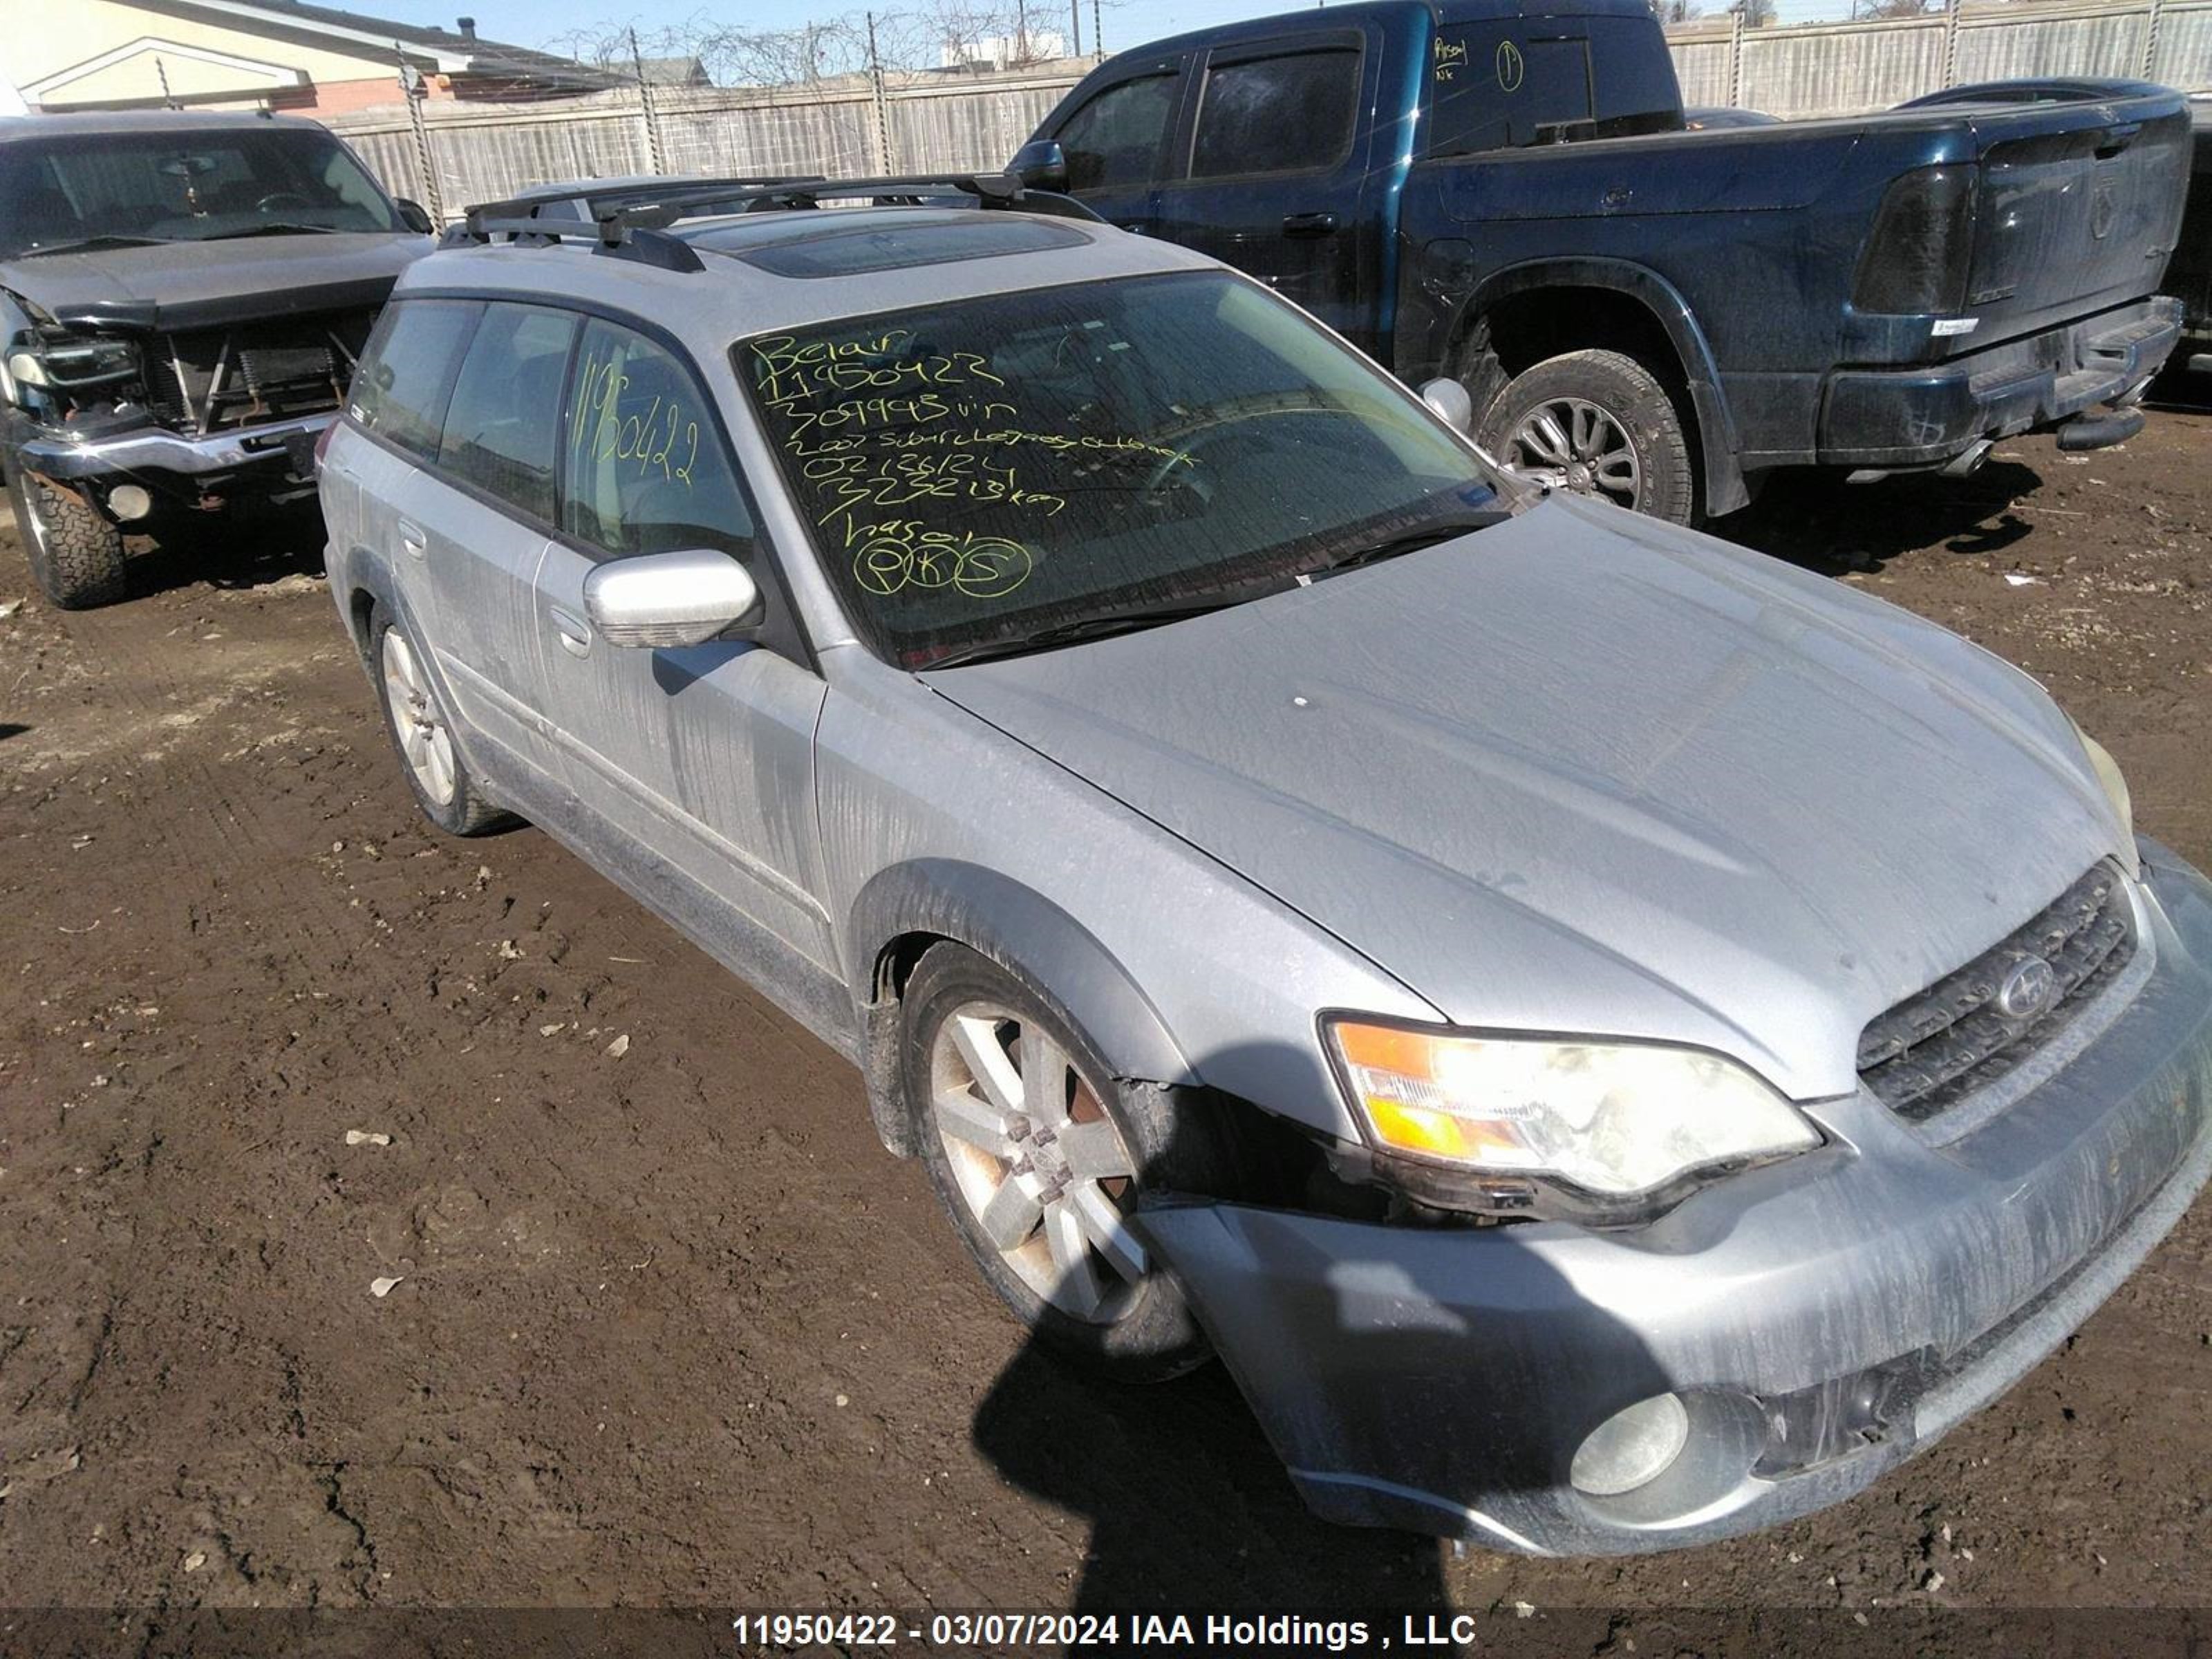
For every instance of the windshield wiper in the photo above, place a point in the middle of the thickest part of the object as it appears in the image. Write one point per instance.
(1102, 626)
(84, 244)
(281, 229)
(1410, 541)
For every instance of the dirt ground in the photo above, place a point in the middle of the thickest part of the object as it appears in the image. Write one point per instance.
(669, 1327)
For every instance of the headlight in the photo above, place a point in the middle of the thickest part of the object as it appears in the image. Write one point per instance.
(1616, 1119)
(71, 363)
(2116, 784)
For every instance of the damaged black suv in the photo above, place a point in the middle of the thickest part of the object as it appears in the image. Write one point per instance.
(182, 298)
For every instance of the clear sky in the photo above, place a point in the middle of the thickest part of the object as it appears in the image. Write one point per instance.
(1128, 22)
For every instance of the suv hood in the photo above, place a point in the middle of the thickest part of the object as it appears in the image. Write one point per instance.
(1585, 772)
(204, 284)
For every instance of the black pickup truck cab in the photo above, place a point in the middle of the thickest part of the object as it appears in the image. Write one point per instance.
(1506, 195)
(182, 297)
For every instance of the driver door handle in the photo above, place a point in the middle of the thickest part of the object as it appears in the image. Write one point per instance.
(1308, 224)
(576, 632)
(412, 539)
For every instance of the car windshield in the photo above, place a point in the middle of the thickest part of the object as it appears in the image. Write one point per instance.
(189, 185)
(983, 473)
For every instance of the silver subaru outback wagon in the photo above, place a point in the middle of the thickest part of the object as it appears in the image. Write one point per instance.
(1614, 1040)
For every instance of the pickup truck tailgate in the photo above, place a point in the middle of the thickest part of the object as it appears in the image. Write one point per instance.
(2077, 216)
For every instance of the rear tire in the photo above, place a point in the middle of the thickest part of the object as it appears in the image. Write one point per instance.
(1038, 1177)
(1595, 423)
(76, 554)
(422, 734)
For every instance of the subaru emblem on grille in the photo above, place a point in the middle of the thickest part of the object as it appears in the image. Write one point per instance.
(2026, 989)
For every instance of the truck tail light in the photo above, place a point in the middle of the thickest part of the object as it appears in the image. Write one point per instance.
(1915, 258)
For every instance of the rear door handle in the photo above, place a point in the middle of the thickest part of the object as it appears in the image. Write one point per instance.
(1308, 224)
(576, 632)
(412, 539)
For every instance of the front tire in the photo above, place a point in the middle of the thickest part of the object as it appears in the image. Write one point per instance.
(421, 734)
(1595, 423)
(1039, 1154)
(76, 554)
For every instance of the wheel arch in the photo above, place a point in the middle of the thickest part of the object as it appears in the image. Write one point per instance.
(907, 908)
(1526, 312)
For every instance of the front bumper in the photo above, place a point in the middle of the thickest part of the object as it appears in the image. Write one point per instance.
(1927, 416)
(153, 453)
(1822, 1318)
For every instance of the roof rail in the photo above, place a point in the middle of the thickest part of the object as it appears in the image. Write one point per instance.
(990, 190)
(641, 243)
(588, 200)
(631, 221)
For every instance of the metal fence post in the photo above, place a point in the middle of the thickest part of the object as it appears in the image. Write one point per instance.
(2150, 40)
(653, 157)
(876, 95)
(1951, 43)
(412, 89)
(1736, 58)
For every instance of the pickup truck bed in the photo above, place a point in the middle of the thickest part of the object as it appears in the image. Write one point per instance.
(1639, 312)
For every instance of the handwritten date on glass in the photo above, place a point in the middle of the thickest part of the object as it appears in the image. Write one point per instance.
(900, 554)
(659, 436)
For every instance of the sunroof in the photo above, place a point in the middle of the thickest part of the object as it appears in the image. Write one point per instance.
(876, 245)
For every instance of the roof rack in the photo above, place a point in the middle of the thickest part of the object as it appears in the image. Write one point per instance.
(631, 221)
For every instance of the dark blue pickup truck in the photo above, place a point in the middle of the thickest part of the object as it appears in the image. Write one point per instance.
(1505, 195)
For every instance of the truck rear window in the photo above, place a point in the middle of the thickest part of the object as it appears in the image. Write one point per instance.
(1503, 83)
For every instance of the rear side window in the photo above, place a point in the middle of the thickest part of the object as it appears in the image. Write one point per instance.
(1500, 85)
(1116, 137)
(1288, 114)
(406, 374)
(647, 471)
(502, 429)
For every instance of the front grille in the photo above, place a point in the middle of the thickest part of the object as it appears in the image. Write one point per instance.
(212, 379)
(1935, 1049)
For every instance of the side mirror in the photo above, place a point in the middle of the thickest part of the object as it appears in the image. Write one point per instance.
(1041, 164)
(670, 598)
(1447, 401)
(413, 214)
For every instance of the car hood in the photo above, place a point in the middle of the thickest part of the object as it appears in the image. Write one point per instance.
(203, 285)
(1586, 772)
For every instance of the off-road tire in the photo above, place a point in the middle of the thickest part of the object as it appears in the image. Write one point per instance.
(1645, 410)
(466, 810)
(1173, 1147)
(76, 554)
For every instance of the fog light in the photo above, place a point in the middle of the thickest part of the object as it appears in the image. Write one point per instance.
(1631, 1447)
(129, 501)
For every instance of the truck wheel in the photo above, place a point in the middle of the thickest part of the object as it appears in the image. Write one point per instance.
(76, 554)
(1597, 423)
(1039, 1154)
(422, 734)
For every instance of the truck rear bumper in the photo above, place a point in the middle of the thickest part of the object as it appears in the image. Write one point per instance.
(1929, 415)
(1819, 1321)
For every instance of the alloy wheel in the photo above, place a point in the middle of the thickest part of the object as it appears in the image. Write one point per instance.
(1572, 444)
(425, 742)
(1038, 1162)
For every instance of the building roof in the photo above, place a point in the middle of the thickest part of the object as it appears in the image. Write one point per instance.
(447, 52)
